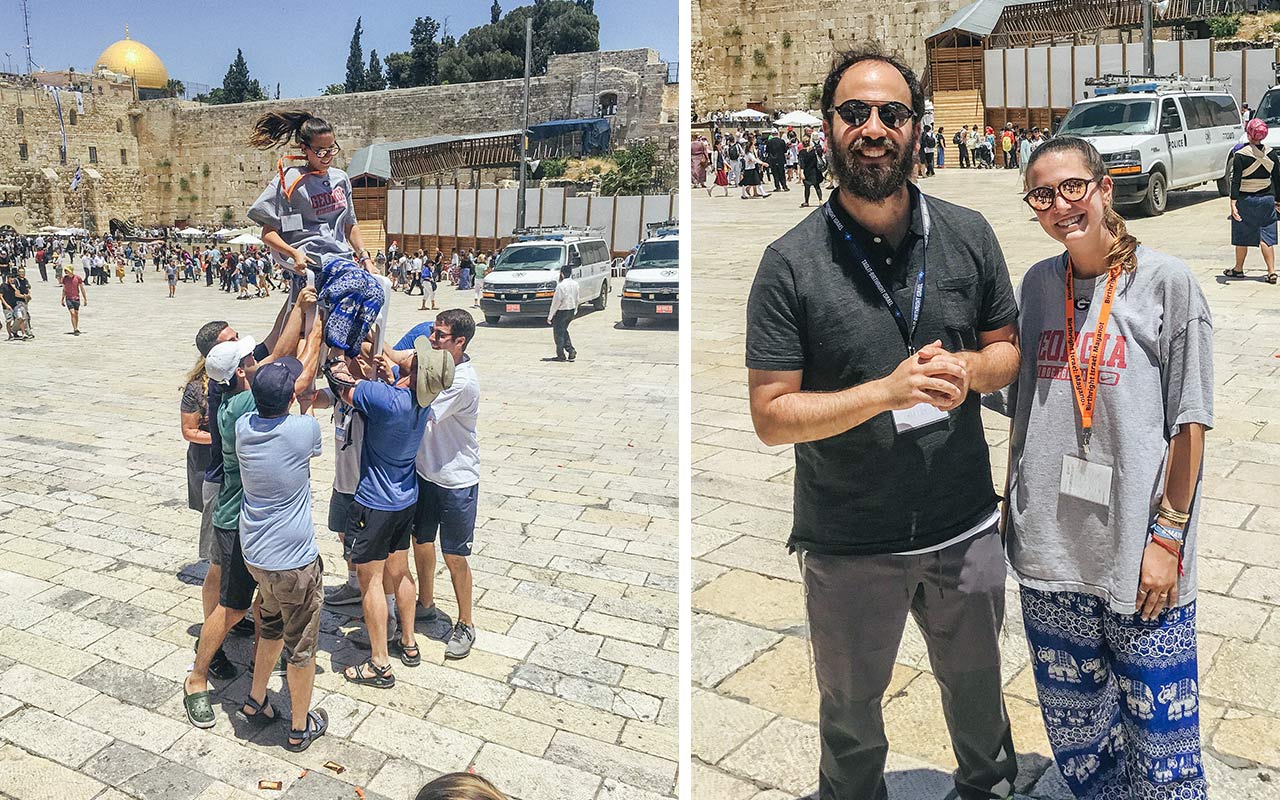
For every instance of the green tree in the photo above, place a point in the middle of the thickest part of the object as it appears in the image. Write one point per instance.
(398, 70)
(495, 13)
(373, 79)
(174, 87)
(424, 52)
(637, 170)
(334, 88)
(355, 61)
(237, 86)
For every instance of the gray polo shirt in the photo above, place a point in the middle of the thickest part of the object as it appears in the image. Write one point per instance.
(871, 490)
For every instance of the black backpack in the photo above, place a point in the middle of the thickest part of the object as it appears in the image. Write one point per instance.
(956, 138)
(734, 152)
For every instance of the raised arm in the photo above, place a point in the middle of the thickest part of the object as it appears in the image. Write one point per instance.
(305, 386)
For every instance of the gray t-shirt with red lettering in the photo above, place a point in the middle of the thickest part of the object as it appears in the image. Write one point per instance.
(1156, 374)
(314, 217)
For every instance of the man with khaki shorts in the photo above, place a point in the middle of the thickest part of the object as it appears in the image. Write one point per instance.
(277, 536)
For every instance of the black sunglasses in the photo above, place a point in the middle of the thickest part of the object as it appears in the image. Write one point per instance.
(893, 114)
(1072, 189)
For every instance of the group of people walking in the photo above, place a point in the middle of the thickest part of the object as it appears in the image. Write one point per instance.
(874, 328)
(746, 160)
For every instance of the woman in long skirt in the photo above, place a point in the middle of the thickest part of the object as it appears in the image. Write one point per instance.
(1255, 196)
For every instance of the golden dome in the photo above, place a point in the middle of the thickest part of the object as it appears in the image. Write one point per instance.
(128, 57)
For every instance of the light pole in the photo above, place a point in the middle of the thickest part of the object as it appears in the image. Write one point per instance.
(524, 124)
(1148, 46)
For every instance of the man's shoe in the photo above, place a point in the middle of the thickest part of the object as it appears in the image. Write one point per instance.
(573, 355)
(426, 613)
(221, 667)
(460, 641)
(360, 636)
(279, 670)
(244, 627)
(344, 595)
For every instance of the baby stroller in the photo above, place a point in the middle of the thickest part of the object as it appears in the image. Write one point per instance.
(982, 156)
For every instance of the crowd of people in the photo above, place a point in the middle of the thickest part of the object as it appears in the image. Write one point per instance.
(463, 269)
(746, 160)
(1103, 360)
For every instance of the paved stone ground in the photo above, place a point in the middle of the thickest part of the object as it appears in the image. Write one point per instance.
(571, 691)
(754, 700)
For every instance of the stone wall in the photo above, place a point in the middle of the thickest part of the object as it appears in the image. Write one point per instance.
(188, 162)
(772, 51)
(107, 125)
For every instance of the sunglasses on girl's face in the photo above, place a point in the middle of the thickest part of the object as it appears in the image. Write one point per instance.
(893, 114)
(325, 153)
(1072, 189)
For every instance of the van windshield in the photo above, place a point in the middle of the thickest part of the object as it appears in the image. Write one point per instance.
(534, 257)
(1269, 109)
(1110, 118)
(653, 255)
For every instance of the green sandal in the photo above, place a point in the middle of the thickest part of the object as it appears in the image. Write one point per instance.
(199, 709)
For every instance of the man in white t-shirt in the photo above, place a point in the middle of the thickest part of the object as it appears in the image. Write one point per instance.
(448, 466)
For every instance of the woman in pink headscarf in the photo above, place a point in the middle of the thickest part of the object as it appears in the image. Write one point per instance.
(1255, 198)
(699, 157)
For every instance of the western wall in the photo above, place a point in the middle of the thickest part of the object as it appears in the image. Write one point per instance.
(161, 162)
(771, 52)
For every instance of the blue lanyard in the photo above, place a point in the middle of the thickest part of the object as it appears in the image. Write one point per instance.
(908, 331)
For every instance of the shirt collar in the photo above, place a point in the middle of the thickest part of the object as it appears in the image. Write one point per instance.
(862, 234)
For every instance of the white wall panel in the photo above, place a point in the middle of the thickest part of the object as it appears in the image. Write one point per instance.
(487, 200)
(467, 212)
(1060, 76)
(506, 211)
(993, 76)
(1038, 69)
(1015, 70)
(412, 202)
(395, 212)
(576, 211)
(627, 228)
(448, 208)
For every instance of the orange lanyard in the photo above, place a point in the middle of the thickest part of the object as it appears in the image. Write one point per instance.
(1085, 386)
(288, 188)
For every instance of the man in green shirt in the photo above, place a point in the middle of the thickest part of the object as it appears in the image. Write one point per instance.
(233, 364)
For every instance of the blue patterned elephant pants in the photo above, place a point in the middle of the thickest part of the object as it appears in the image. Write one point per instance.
(1118, 695)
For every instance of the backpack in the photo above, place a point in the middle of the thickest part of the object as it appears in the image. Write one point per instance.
(734, 152)
(956, 138)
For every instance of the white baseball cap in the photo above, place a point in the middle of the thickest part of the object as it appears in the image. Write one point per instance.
(225, 358)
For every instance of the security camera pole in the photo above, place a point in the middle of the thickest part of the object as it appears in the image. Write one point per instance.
(524, 123)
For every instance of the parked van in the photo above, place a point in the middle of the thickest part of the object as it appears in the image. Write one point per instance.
(1269, 112)
(522, 279)
(1158, 135)
(652, 286)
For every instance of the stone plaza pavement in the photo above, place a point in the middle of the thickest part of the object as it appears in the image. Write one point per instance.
(754, 699)
(571, 690)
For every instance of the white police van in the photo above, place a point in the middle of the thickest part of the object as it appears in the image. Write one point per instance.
(652, 285)
(1158, 134)
(1268, 110)
(522, 279)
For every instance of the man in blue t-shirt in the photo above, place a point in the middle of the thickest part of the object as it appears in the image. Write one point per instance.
(380, 520)
(274, 450)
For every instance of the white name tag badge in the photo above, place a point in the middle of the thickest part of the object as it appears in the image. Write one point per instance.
(918, 416)
(1086, 480)
(291, 222)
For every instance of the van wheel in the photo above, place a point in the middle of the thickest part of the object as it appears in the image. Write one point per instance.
(1224, 184)
(1157, 195)
(629, 322)
(603, 300)
(492, 319)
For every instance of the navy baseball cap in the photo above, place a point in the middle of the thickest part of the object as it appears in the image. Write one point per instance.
(273, 384)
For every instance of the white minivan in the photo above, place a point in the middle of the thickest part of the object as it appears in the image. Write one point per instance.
(652, 285)
(522, 279)
(1159, 135)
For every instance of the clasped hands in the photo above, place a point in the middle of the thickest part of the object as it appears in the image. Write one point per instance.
(930, 375)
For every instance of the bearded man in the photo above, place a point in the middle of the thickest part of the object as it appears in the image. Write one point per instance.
(872, 327)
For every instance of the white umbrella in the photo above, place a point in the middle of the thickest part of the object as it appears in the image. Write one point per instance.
(748, 113)
(191, 232)
(245, 238)
(223, 233)
(50, 229)
(798, 119)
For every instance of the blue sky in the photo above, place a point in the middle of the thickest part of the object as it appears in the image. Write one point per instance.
(303, 46)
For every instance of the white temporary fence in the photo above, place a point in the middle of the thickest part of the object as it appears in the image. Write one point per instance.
(1054, 76)
(490, 213)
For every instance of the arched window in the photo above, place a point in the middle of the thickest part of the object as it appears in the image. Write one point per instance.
(119, 126)
(71, 116)
(608, 104)
(20, 116)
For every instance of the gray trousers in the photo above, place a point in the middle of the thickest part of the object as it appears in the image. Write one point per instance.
(857, 607)
(560, 330)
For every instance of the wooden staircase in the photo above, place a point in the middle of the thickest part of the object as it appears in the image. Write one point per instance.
(954, 109)
(374, 234)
